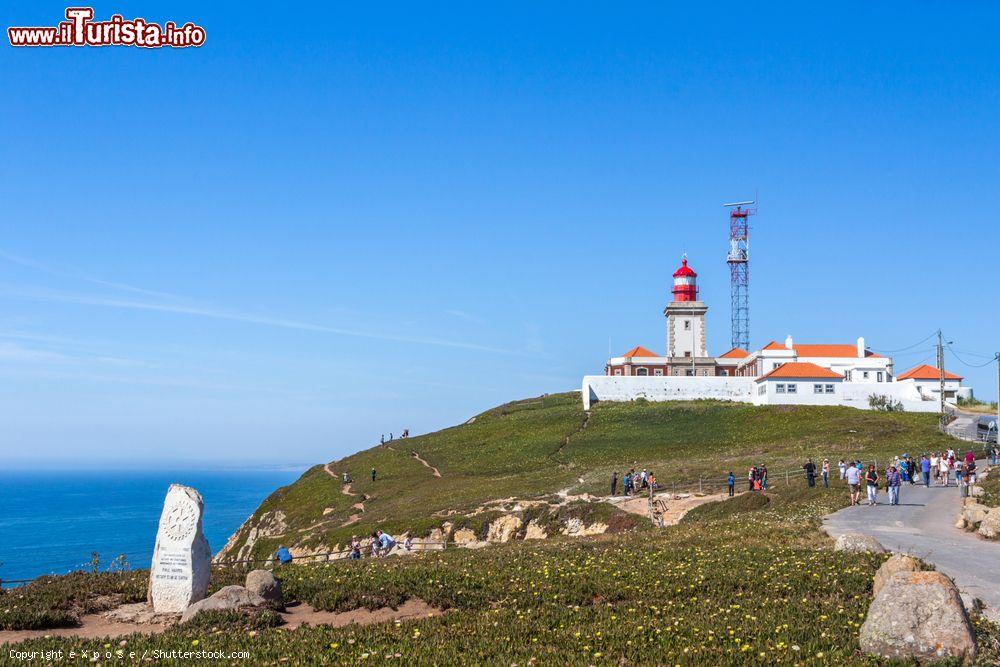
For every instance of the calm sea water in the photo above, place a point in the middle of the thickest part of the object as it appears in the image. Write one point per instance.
(50, 522)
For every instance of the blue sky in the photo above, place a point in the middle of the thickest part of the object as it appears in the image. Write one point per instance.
(339, 221)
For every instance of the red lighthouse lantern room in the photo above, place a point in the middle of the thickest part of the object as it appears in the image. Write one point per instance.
(685, 283)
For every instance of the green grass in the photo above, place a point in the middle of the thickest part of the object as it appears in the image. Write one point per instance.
(747, 582)
(521, 450)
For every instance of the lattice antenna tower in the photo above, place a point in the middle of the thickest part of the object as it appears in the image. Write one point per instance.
(738, 259)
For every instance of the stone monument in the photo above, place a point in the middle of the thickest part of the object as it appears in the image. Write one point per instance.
(181, 564)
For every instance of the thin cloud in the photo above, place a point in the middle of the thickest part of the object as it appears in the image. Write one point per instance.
(462, 315)
(44, 294)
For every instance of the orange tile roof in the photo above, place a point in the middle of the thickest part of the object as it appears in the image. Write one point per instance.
(639, 351)
(800, 369)
(821, 350)
(925, 372)
(735, 353)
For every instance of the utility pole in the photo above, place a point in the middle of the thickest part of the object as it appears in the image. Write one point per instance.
(940, 365)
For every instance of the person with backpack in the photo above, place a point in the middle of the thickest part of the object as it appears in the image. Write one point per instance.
(871, 479)
(731, 483)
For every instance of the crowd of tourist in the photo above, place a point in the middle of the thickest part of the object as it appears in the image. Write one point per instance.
(634, 482)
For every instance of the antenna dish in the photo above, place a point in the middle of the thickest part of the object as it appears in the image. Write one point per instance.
(740, 203)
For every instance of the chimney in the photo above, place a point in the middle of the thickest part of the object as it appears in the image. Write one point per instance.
(788, 342)
(861, 347)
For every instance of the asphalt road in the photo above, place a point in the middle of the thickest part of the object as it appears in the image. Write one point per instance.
(923, 525)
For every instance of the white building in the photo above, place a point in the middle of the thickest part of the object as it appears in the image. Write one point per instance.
(852, 362)
(928, 382)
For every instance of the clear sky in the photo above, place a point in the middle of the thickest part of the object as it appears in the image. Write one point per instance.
(338, 220)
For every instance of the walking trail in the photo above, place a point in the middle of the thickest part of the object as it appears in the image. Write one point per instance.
(94, 626)
(923, 525)
(434, 471)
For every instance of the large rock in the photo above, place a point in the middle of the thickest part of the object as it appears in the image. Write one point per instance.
(858, 543)
(576, 528)
(504, 528)
(263, 583)
(990, 526)
(918, 615)
(974, 513)
(230, 597)
(182, 560)
(464, 536)
(896, 563)
(535, 531)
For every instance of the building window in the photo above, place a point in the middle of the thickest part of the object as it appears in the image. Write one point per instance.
(864, 375)
(773, 366)
(829, 388)
(847, 375)
(761, 390)
(817, 389)
(687, 354)
(879, 376)
(779, 389)
(658, 372)
(641, 371)
(723, 372)
(687, 325)
(618, 371)
(689, 372)
(792, 388)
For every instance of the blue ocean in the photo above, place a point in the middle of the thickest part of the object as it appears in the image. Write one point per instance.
(51, 522)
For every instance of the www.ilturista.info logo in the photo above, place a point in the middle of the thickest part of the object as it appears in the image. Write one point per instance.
(81, 30)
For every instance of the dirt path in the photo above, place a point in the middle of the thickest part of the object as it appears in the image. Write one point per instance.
(346, 490)
(582, 427)
(434, 470)
(94, 626)
(675, 508)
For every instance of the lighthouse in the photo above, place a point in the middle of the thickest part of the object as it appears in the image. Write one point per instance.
(686, 345)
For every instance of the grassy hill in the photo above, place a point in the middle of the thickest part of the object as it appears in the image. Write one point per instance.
(535, 447)
(747, 581)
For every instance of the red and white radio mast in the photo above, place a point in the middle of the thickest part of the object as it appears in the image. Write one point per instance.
(739, 270)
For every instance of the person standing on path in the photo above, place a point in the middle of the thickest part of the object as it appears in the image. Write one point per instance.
(853, 478)
(925, 470)
(614, 483)
(893, 480)
(871, 480)
(731, 483)
(826, 473)
(810, 469)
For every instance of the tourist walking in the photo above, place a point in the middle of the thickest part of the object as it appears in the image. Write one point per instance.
(826, 473)
(853, 477)
(943, 467)
(731, 483)
(843, 468)
(871, 479)
(614, 483)
(627, 483)
(810, 469)
(925, 470)
(893, 480)
(935, 462)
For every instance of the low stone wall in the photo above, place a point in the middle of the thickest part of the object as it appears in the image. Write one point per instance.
(628, 388)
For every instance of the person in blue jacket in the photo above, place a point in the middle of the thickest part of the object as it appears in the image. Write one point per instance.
(731, 481)
(282, 556)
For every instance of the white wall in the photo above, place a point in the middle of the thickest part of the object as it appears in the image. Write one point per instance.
(744, 390)
(668, 388)
(804, 394)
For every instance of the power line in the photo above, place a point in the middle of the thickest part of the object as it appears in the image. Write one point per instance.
(875, 349)
(963, 361)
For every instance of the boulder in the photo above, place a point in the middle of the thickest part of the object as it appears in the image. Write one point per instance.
(976, 491)
(535, 531)
(503, 529)
(263, 583)
(576, 528)
(974, 513)
(858, 543)
(464, 536)
(896, 563)
(990, 526)
(230, 597)
(918, 615)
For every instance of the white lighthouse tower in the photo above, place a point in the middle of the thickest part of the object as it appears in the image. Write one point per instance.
(687, 349)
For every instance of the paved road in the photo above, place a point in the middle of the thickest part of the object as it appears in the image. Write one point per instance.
(923, 525)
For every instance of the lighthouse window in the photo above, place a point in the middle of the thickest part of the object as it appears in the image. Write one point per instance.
(687, 325)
